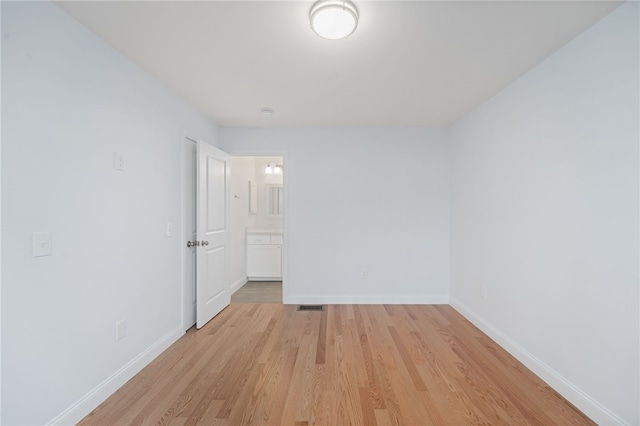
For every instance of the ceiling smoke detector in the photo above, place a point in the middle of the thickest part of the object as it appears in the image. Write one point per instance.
(333, 19)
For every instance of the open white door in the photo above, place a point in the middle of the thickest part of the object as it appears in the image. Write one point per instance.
(212, 286)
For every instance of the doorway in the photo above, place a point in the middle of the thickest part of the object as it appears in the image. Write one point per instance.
(266, 213)
(258, 228)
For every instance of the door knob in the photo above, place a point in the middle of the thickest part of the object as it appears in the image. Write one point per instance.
(193, 243)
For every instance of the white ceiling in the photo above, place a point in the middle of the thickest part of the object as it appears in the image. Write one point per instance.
(414, 63)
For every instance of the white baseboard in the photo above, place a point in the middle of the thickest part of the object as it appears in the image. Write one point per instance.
(100, 393)
(373, 299)
(597, 412)
(239, 283)
(264, 279)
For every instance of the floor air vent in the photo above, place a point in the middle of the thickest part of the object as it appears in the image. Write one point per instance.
(311, 307)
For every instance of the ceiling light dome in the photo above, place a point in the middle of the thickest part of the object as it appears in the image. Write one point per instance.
(333, 19)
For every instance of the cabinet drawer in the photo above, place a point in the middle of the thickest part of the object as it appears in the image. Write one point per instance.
(258, 239)
(276, 239)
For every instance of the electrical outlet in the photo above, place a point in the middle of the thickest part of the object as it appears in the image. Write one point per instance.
(483, 293)
(119, 162)
(121, 329)
(41, 244)
(364, 275)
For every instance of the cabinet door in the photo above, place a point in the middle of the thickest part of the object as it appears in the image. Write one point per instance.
(264, 261)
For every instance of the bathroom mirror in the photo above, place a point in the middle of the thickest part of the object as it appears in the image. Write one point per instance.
(274, 200)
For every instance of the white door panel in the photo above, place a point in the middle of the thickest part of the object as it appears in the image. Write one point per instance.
(215, 265)
(216, 192)
(213, 292)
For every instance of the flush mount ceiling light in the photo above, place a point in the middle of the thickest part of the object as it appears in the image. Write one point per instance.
(333, 19)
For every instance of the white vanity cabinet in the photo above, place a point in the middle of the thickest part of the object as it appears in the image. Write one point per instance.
(264, 257)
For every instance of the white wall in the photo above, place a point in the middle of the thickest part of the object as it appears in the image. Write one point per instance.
(243, 169)
(69, 102)
(545, 217)
(374, 200)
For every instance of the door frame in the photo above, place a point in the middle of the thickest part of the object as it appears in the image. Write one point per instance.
(184, 236)
(285, 203)
(184, 136)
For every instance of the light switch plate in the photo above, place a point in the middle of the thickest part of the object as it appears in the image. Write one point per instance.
(121, 329)
(41, 244)
(169, 230)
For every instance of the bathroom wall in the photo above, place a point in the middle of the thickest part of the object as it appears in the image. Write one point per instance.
(262, 219)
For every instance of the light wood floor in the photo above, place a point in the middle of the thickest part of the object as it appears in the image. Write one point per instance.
(349, 365)
(259, 292)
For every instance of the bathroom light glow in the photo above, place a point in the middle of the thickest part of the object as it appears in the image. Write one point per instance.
(274, 169)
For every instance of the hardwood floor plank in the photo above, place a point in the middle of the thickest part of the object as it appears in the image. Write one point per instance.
(368, 412)
(165, 389)
(221, 386)
(208, 416)
(206, 376)
(373, 387)
(269, 364)
(299, 399)
(408, 362)
(233, 378)
(382, 418)
(507, 396)
(389, 394)
(317, 415)
(280, 388)
(202, 401)
(322, 338)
